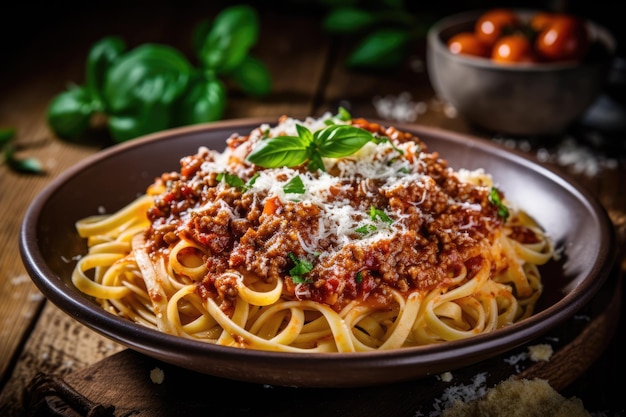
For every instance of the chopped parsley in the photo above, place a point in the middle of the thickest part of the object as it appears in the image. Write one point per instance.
(234, 181)
(301, 267)
(495, 199)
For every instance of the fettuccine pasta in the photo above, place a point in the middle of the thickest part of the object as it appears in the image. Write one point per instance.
(322, 235)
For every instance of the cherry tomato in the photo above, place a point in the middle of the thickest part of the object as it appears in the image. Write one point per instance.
(540, 21)
(469, 44)
(564, 38)
(492, 24)
(513, 49)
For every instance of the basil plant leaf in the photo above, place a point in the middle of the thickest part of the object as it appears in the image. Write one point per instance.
(199, 35)
(204, 101)
(336, 141)
(235, 30)
(344, 20)
(305, 134)
(25, 165)
(69, 114)
(252, 76)
(101, 57)
(152, 117)
(384, 48)
(148, 73)
(280, 151)
(6, 135)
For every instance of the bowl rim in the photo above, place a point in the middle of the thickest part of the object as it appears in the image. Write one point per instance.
(598, 32)
(126, 332)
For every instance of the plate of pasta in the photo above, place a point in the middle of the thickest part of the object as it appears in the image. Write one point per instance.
(331, 251)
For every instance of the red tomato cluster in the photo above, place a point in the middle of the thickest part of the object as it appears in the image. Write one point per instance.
(502, 36)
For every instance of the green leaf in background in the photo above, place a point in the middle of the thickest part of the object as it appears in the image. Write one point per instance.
(149, 118)
(154, 87)
(381, 49)
(25, 165)
(69, 114)
(204, 101)
(6, 135)
(234, 31)
(199, 36)
(149, 73)
(252, 76)
(101, 57)
(344, 20)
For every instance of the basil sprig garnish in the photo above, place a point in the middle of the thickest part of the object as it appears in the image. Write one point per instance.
(334, 141)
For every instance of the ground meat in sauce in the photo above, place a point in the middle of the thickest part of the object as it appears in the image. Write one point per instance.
(238, 235)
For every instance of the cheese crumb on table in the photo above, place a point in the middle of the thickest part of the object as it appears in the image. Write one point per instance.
(541, 352)
(519, 398)
(157, 375)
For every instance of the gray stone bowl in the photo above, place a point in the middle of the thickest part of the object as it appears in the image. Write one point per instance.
(534, 99)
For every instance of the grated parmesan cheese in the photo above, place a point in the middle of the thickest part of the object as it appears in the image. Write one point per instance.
(157, 375)
(541, 352)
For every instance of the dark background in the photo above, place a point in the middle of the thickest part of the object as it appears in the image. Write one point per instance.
(24, 19)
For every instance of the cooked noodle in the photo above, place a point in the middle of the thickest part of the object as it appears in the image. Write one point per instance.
(397, 248)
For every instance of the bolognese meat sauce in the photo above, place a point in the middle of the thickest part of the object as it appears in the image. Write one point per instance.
(392, 216)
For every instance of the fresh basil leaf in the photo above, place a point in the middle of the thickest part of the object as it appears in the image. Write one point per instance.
(204, 101)
(294, 186)
(279, 151)
(336, 141)
(235, 30)
(343, 114)
(69, 113)
(6, 135)
(348, 20)
(25, 166)
(384, 48)
(304, 133)
(99, 60)
(315, 162)
(199, 35)
(152, 117)
(252, 76)
(150, 73)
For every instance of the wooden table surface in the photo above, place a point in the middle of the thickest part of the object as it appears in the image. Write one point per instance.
(40, 59)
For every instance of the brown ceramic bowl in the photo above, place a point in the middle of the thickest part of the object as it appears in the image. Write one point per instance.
(111, 178)
(533, 99)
